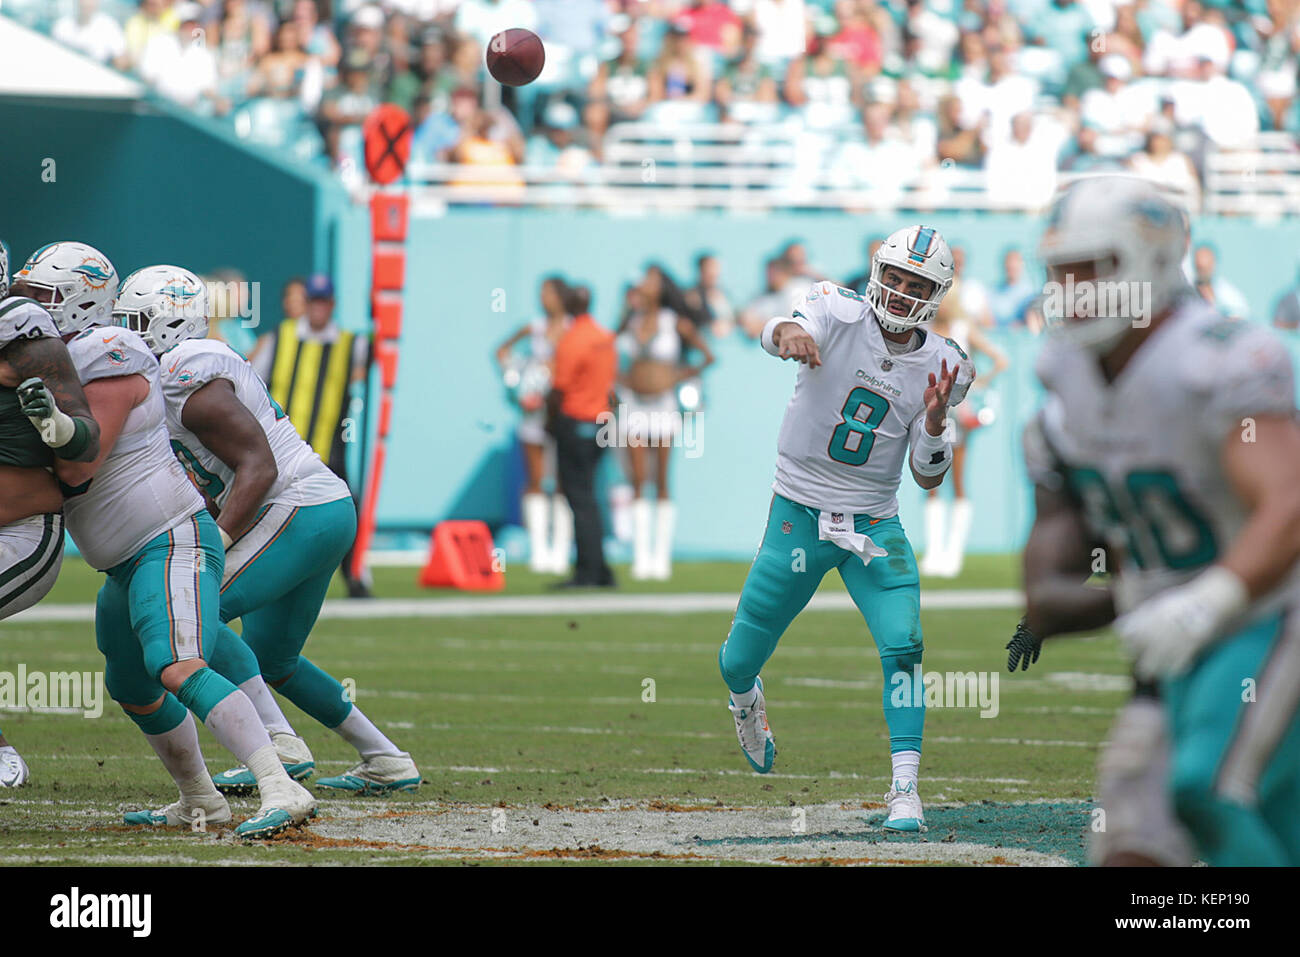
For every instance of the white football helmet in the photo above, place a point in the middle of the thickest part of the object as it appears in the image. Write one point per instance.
(915, 249)
(1133, 237)
(4, 269)
(80, 281)
(164, 304)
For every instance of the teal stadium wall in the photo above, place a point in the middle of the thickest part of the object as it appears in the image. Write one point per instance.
(147, 183)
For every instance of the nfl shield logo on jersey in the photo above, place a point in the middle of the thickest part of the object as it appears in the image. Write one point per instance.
(837, 517)
(786, 528)
(886, 364)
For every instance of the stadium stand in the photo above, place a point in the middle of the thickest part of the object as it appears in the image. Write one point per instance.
(858, 104)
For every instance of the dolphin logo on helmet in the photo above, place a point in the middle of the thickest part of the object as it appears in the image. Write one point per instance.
(165, 305)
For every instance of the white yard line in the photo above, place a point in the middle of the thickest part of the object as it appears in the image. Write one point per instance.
(585, 604)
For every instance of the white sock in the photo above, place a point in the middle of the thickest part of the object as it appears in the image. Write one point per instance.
(266, 767)
(665, 520)
(906, 766)
(268, 710)
(562, 543)
(234, 722)
(180, 753)
(957, 534)
(534, 506)
(745, 699)
(936, 515)
(360, 732)
(641, 552)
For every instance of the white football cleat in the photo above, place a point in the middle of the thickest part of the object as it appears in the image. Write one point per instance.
(905, 812)
(13, 769)
(293, 753)
(377, 775)
(283, 806)
(195, 817)
(756, 741)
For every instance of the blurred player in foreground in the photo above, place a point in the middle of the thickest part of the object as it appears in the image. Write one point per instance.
(134, 515)
(874, 392)
(1169, 436)
(285, 519)
(43, 415)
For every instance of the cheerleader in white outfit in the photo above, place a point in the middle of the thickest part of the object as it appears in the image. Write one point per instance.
(945, 539)
(547, 518)
(651, 342)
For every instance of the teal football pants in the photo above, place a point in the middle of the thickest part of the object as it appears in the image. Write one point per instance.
(159, 607)
(789, 566)
(1235, 741)
(278, 572)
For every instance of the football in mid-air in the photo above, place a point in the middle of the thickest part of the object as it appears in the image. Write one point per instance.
(515, 56)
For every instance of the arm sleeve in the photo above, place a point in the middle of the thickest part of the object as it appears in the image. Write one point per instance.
(812, 313)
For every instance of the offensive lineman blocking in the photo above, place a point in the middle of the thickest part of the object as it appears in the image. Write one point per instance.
(873, 384)
(134, 515)
(285, 519)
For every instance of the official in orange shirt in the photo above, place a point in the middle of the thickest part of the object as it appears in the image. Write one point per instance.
(586, 365)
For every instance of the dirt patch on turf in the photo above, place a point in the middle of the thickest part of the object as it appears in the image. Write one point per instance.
(837, 834)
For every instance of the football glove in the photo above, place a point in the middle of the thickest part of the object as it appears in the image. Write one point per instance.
(35, 401)
(1023, 648)
(1166, 633)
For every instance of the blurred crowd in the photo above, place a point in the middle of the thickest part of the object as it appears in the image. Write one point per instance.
(1020, 88)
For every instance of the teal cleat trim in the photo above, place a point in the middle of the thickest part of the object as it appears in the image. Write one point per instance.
(145, 818)
(241, 780)
(355, 785)
(264, 824)
(903, 824)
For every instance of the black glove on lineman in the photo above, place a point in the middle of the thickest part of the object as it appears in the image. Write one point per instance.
(1023, 648)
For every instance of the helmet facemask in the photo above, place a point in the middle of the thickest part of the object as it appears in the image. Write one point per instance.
(881, 296)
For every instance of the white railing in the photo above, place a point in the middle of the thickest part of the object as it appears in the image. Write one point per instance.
(1263, 181)
(757, 168)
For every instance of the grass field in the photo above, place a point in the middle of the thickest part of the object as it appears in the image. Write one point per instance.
(538, 744)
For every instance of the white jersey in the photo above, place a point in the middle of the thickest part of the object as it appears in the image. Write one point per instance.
(1143, 456)
(303, 478)
(140, 490)
(852, 421)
